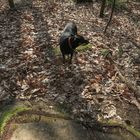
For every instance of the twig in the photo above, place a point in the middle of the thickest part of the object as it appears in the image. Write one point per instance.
(112, 10)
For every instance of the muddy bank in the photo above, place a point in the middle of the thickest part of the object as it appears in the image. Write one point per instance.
(29, 124)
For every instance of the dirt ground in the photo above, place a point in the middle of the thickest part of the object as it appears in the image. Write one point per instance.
(91, 87)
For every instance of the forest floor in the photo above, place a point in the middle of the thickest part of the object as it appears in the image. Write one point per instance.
(93, 86)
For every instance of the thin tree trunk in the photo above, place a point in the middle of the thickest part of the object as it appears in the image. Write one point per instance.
(112, 10)
(102, 9)
(11, 4)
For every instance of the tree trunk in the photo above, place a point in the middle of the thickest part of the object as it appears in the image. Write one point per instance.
(11, 4)
(102, 9)
(112, 10)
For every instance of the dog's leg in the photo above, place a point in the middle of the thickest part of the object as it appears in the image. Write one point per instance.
(63, 58)
(71, 55)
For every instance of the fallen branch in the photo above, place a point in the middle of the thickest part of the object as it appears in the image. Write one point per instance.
(128, 82)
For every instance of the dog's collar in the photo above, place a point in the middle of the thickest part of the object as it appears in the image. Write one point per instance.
(70, 43)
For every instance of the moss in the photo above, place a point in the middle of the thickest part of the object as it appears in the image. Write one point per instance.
(105, 52)
(133, 131)
(8, 115)
(130, 129)
(81, 48)
(56, 51)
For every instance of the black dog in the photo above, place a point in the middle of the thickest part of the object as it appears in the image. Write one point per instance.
(69, 40)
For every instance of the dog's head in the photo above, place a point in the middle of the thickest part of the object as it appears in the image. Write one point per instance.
(79, 40)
